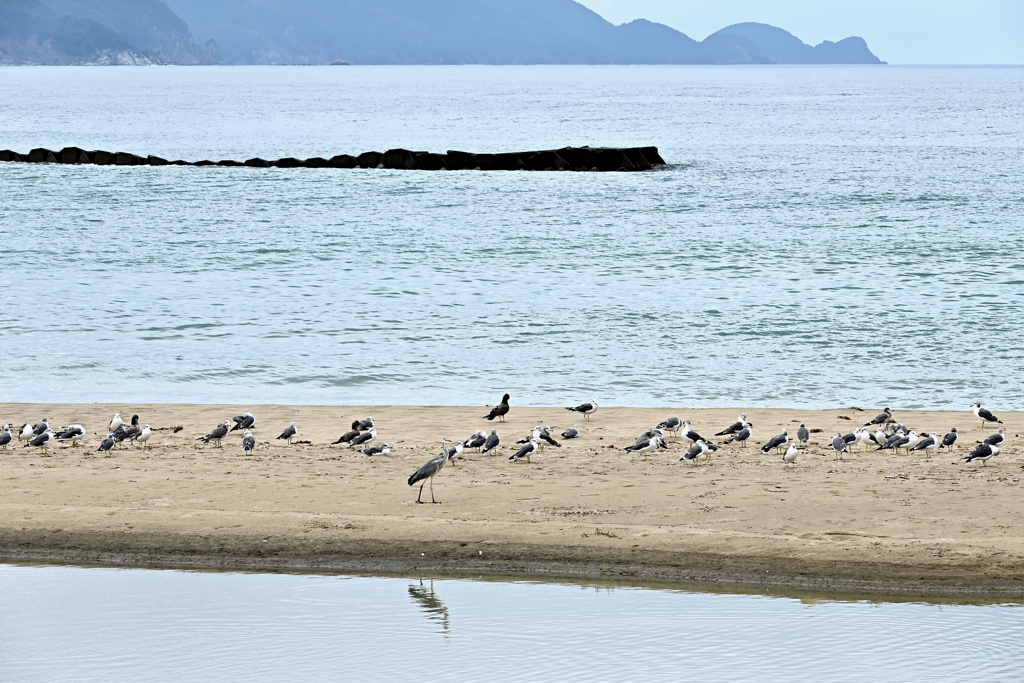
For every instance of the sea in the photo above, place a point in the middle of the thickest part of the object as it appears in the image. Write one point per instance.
(822, 236)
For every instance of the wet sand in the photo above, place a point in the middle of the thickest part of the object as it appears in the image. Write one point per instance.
(898, 524)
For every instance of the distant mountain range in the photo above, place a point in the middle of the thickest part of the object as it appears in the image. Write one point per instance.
(379, 32)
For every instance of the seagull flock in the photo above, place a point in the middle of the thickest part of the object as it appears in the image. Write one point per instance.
(879, 434)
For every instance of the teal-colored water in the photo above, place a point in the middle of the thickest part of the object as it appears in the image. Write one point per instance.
(825, 236)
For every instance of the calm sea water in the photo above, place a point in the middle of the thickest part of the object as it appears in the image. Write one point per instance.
(109, 625)
(825, 236)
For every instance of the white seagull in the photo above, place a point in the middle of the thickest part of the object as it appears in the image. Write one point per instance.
(115, 422)
(587, 409)
(476, 441)
(72, 433)
(927, 444)
(777, 442)
(290, 431)
(984, 453)
(530, 449)
(949, 440)
(984, 415)
(571, 433)
(26, 432)
(363, 439)
(5, 437)
(839, 445)
(216, 434)
(735, 426)
(41, 441)
(672, 424)
(789, 458)
(144, 436)
(743, 435)
(997, 439)
(248, 442)
(383, 449)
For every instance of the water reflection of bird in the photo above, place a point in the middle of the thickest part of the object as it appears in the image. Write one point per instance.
(430, 604)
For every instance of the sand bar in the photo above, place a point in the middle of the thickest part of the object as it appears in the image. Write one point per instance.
(887, 523)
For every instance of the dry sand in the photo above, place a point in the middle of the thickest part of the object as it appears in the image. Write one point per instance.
(872, 522)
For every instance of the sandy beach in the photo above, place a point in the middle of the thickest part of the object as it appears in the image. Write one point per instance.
(871, 522)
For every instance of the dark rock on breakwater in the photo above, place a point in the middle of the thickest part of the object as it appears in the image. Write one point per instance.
(596, 159)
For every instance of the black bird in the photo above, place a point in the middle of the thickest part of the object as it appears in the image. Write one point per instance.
(243, 421)
(429, 469)
(735, 426)
(983, 452)
(500, 410)
(492, 441)
(881, 418)
(349, 435)
(289, 433)
(949, 440)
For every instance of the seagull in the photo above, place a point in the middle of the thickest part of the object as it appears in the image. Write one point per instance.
(587, 409)
(454, 452)
(26, 432)
(216, 434)
(143, 436)
(912, 440)
(996, 439)
(499, 411)
(696, 452)
(802, 434)
(107, 444)
(879, 437)
(243, 421)
(290, 432)
(526, 451)
(383, 449)
(983, 453)
(248, 442)
(893, 440)
(492, 441)
(476, 441)
(349, 435)
(927, 444)
(743, 435)
(852, 438)
(120, 434)
(776, 442)
(735, 426)
(648, 435)
(132, 430)
(41, 441)
(689, 434)
(949, 440)
(982, 414)
(839, 445)
(866, 438)
(881, 418)
(571, 433)
(429, 469)
(545, 437)
(366, 424)
(363, 439)
(647, 445)
(5, 437)
(116, 422)
(72, 433)
(789, 458)
(41, 427)
(673, 424)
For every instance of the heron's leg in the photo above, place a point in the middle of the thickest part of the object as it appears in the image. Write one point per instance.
(432, 491)
(420, 494)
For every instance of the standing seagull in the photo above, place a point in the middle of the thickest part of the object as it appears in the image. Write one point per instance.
(26, 432)
(927, 444)
(789, 458)
(72, 433)
(289, 433)
(248, 442)
(802, 434)
(41, 427)
(587, 409)
(777, 442)
(996, 439)
(476, 441)
(492, 441)
(689, 434)
(839, 445)
(647, 445)
(881, 418)
(429, 469)
(364, 438)
(115, 422)
(571, 433)
(984, 453)
(984, 414)
(866, 438)
(41, 441)
(696, 452)
(735, 426)
(349, 435)
(673, 424)
(216, 434)
(5, 437)
(949, 440)
(544, 436)
(107, 444)
(243, 421)
(454, 452)
(499, 411)
(526, 451)
(144, 436)
(743, 435)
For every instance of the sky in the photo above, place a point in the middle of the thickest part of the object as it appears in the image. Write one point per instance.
(897, 31)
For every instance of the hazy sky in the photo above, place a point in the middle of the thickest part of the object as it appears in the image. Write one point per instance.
(898, 31)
